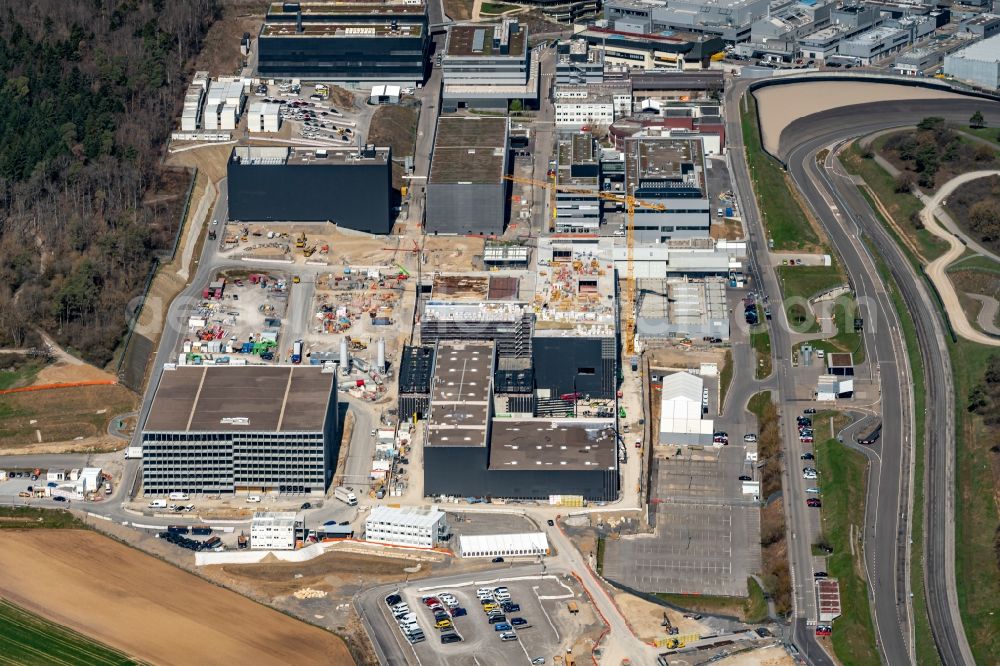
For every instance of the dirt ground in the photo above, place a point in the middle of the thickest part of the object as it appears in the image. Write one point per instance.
(395, 126)
(769, 656)
(645, 618)
(220, 53)
(683, 357)
(778, 106)
(146, 607)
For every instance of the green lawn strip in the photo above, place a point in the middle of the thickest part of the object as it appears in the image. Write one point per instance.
(496, 8)
(22, 376)
(757, 403)
(842, 478)
(991, 134)
(976, 517)
(901, 205)
(925, 648)
(26, 638)
(975, 262)
(751, 609)
(785, 220)
(600, 556)
(760, 339)
(725, 378)
(29, 517)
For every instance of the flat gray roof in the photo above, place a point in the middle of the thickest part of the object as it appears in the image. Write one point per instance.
(553, 444)
(252, 398)
(460, 394)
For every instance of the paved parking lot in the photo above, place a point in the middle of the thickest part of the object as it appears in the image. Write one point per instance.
(707, 532)
(543, 606)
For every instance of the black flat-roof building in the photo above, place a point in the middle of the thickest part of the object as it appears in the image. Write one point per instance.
(415, 368)
(348, 187)
(381, 41)
(470, 453)
(222, 429)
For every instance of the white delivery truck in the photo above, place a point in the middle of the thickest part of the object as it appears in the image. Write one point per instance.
(179, 496)
(158, 504)
(345, 495)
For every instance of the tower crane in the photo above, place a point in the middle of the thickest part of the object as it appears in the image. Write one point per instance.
(631, 203)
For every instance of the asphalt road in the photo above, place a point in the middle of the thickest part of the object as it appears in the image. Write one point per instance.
(886, 530)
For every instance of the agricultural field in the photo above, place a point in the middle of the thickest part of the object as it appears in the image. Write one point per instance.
(149, 609)
(26, 638)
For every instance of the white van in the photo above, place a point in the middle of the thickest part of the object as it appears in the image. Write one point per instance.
(158, 504)
(253, 499)
(179, 496)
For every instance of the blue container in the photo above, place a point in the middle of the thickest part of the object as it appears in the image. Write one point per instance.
(729, 212)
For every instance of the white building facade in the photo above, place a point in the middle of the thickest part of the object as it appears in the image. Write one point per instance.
(417, 527)
(532, 544)
(274, 530)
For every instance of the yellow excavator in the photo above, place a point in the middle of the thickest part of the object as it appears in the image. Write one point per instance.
(300, 242)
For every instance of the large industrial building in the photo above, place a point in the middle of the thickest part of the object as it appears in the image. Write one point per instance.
(466, 190)
(727, 19)
(377, 41)
(348, 187)
(669, 174)
(978, 63)
(467, 452)
(679, 307)
(224, 429)
(488, 66)
(636, 50)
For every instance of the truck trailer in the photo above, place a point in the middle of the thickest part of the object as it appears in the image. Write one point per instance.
(346, 496)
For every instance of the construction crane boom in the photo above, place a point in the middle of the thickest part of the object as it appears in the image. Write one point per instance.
(631, 203)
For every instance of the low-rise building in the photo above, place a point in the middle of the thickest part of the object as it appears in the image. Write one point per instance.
(275, 530)
(488, 66)
(578, 165)
(635, 49)
(680, 307)
(682, 411)
(264, 117)
(418, 527)
(874, 44)
(595, 104)
(532, 544)
(978, 63)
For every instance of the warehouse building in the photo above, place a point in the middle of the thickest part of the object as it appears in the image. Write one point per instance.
(670, 174)
(681, 410)
(875, 43)
(466, 191)
(219, 429)
(532, 544)
(978, 64)
(376, 41)
(469, 453)
(680, 307)
(728, 19)
(347, 187)
(488, 66)
(416, 527)
(684, 257)
(276, 530)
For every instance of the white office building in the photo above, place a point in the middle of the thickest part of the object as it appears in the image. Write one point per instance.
(419, 527)
(275, 530)
(577, 106)
(264, 117)
(531, 544)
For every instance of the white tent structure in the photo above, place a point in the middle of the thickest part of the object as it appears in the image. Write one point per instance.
(681, 422)
(532, 544)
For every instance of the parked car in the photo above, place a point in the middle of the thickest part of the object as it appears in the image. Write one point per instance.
(305, 506)
(814, 502)
(497, 559)
(807, 456)
(392, 600)
(744, 477)
(809, 410)
(507, 636)
(510, 607)
(59, 498)
(750, 437)
(502, 626)
(824, 630)
(451, 637)
(550, 522)
(820, 574)
(518, 621)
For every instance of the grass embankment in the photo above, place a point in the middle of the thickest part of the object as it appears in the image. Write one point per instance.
(26, 638)
(22, 374)
(600, 556)
(976, 516)
(975, 262)
(784, 218)
(991, 134)
(843, 478)
(725, 378)
(60, 415)
(750, 609)
(458, 10)
(760, 340)
(902, 206)
(496, 8)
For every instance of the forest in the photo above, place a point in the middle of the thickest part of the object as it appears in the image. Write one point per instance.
(90, 92)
